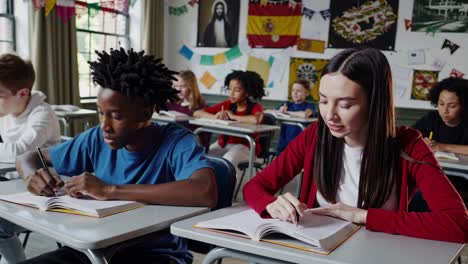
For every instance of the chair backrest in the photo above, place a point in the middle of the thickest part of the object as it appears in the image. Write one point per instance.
(268, 119)
(225, 180)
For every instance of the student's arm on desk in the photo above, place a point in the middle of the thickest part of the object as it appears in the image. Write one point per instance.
(453, 148)
(198, 190)
(251, 119)
(38, 180)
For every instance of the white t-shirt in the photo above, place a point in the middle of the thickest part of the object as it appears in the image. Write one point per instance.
(37, 126)
(349, 183)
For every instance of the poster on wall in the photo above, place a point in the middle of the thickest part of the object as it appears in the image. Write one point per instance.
(368, 23)
(218, 23)
(273, 23)
(440, 16)
(307, 69)
(422, 84)
(315, 19)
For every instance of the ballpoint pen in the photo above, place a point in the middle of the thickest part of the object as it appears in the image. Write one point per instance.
(44, 165)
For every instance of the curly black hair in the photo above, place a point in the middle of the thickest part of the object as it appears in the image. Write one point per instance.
(459, 86)
(251, 81)
(135, 75)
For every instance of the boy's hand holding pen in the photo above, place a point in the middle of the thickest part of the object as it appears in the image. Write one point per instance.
(42, 182)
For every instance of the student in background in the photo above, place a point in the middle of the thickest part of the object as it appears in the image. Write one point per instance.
(127, 157)
(26, 120)
(298, 107)
(358, 166)
(447, 128)
(242, 86)
(190, 98)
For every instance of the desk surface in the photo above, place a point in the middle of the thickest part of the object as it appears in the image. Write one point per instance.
(236, 127)
(76, 114)
(84, 232)
(363, 247)
(7, 167)
(290, 118)
(169, 119)
(461, 164)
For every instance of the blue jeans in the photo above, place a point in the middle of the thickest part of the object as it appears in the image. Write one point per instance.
(11, 249)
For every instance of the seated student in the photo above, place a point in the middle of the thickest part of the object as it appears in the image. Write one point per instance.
(26, 120)
(358, 166)
(127, 157)
(242, 86)
(190, 98)
(298, 107)
(448, 125)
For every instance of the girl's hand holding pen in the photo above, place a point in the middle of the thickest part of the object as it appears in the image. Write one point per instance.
(287, 208)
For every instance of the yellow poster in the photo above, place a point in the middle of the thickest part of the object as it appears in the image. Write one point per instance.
(259, 66)
(308, 69)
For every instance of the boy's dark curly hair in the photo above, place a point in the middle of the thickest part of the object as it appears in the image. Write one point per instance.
(135, 75)
(251, 81)
(459, 86)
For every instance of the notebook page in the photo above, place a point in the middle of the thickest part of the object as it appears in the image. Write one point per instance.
(27, 198)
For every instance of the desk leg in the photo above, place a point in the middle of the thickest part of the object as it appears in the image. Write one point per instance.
(220, 253)
(96, 256)
(253, 145)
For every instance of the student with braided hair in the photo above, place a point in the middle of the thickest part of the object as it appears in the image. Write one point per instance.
(243, 86)
(128, 157)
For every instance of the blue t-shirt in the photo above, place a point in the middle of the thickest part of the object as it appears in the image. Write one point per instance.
(289, 132)
(172, 155)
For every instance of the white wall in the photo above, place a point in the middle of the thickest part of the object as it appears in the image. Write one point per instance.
(182, 29)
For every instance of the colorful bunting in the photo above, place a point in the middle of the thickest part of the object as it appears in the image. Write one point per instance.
(456, 73)
(186, 52)
(325, 14)
(178, 11)
(193, 2)
(233, 53)
(450, 45)
(308, 13)
(207, 80)
(311, 45)
(65, 9)
(220, 58)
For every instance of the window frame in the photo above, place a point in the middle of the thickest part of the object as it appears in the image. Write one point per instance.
(10, 15)
(105, 34)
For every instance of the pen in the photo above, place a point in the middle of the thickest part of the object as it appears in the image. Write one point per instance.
(44, 165)
(297, 218)
(430, 135)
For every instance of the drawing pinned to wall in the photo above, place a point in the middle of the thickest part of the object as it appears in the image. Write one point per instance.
(218, 23)
(456, 73)
(259, 66)
(207, 80)
(452, 46)
(440, 16)
(422, 84)
(307, 69)
(273, 23)
(315, 22)
(370, 23)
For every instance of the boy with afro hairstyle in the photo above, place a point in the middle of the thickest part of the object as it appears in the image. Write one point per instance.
(128, 157)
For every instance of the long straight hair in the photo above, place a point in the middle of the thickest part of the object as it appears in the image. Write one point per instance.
(195, 98)
(380, 171)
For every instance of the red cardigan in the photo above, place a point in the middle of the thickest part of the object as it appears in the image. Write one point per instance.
(447, 221)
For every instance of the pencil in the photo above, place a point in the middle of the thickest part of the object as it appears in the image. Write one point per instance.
(44, 165)
(430, 135)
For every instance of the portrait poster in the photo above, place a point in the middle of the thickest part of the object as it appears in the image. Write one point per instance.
(218, 23)
(307, 69)
(363, 23)
(440, 16)
(423, 81)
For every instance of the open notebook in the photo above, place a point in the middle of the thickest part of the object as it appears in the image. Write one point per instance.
(67, 204)
(172, 114)
(217, 121)
(316, 233)
(445, 155)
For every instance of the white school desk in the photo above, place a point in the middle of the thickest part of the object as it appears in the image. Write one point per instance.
(362, 247)
(456, 168)
(93, 236)
(7, 167)
(241, 130)
(163, 120)
(68, 117)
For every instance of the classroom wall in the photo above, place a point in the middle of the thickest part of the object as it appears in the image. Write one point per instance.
(182, 30)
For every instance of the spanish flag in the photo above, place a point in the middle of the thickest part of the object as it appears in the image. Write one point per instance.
(273, 24)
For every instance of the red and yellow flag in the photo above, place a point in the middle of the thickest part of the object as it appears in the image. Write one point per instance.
(274, 24)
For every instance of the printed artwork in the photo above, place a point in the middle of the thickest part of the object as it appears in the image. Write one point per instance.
(422, 84)
(315, 20)
(218, 23)
(273, 23)
(440, 16)
(369, 23)
(308, 69)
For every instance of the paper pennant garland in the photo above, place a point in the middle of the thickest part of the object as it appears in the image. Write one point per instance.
(311, 45)
(49, 5)
(219, 58)
(408, 24)
(38, 4)
(186, 52)
(65, 9)
(206, 60)
(193, 2)
(430, 29)
(456, 73)
(178, 11)
(450, 45)
(207, 80)
(308, 13)
(233, 53)
(325, 14)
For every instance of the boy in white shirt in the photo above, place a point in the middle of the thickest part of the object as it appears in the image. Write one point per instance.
(26, 121)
